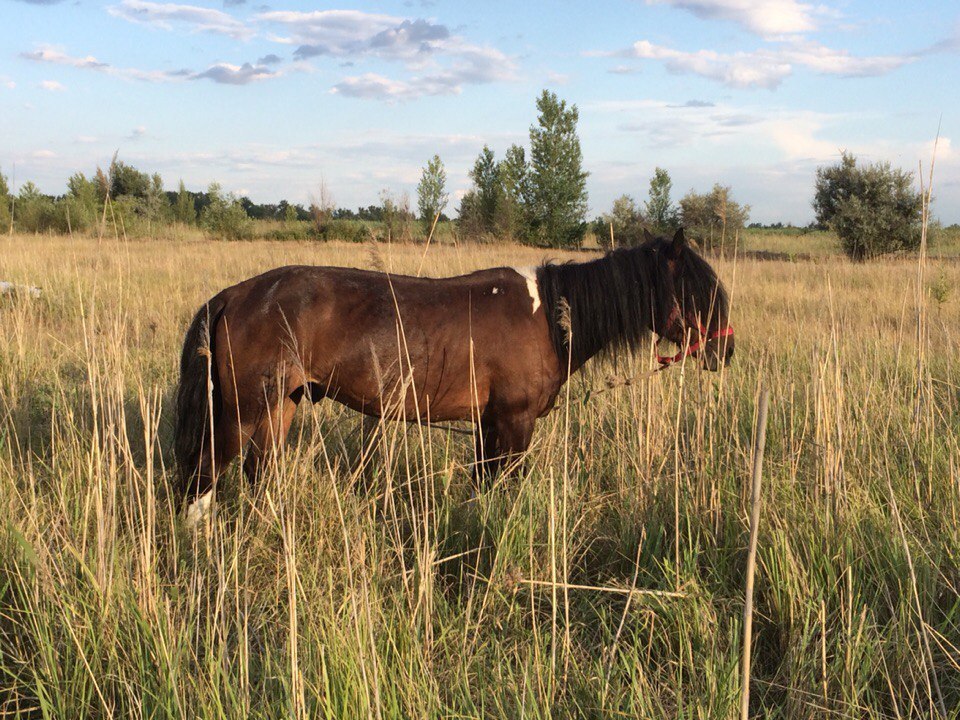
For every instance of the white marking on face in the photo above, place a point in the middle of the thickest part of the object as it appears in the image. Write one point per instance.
(199, 510)
(496, 290)
(530, 275)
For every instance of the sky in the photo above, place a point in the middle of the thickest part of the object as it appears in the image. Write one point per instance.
(274, 100)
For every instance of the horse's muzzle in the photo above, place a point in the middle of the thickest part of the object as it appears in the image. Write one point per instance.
(718, 353)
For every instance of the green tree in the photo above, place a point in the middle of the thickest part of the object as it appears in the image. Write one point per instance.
(29, 192)
(469, 215)
(81, 206)
(487, 187)
(155, 207)
(874, 209)
(184, 209)
(558, 184)
(714, 217)
(83, 189)
(512, 216)
(127, 180)
(660, 212)
(432, 191)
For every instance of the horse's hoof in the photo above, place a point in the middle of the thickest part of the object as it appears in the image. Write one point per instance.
(199, 511)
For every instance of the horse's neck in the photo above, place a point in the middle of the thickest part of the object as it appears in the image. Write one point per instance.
(620, 338)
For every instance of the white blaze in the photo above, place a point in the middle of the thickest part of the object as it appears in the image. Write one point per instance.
(530, 275)
(199, 510)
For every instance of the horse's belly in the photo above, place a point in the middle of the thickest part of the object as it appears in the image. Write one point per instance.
(411, 404)
(432, 391)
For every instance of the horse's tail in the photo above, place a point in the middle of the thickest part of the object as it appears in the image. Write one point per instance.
(199, 385)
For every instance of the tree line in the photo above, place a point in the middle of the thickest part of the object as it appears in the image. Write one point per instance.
(535, 195)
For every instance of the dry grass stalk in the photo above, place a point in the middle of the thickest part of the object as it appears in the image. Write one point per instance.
(926, 197)
(759, 444)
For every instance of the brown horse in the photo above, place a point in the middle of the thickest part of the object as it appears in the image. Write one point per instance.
(493, 347)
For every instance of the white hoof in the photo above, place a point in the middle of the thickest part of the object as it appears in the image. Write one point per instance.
(199, 510)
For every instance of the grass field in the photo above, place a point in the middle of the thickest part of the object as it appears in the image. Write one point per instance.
(365, 581)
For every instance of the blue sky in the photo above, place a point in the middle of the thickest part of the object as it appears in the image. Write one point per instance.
(270, 100)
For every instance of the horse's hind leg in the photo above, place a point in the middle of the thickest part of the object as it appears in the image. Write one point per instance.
(269, 434)
(226, 442)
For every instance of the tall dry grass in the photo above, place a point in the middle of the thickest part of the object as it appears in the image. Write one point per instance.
(363, 579)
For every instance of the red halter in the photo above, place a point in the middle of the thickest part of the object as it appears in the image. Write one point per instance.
(667, 360)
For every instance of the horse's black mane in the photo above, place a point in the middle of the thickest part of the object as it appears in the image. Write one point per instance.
(615, 301)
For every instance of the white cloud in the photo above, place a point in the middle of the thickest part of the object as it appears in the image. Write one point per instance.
(343, 33)
(56, 56)
(52, 86)
(371, 85)
(447, 81)
(763, 68)
(440, 62)
(829, 61)
(443, 62)
(43, 154)
(197, 19)
(475, 67)
(758, 69)
(223, 73)
(227, 74)
(763, 17)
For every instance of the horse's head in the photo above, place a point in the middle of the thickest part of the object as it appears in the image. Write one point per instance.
(693, 308)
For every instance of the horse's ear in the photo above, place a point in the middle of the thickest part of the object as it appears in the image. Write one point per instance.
(648, 236)
(679, 243)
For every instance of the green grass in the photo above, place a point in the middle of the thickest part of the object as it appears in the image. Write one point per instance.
(363, 579)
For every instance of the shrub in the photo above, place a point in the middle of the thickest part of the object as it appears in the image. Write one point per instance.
(713, 218)
(224, 216)
(350, 230)
(397, 222)
(627, 222)
(290, 230)
(873, 209)
(35, 212)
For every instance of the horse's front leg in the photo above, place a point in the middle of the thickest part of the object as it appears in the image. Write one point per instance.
(487, 452)
(505, 437)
